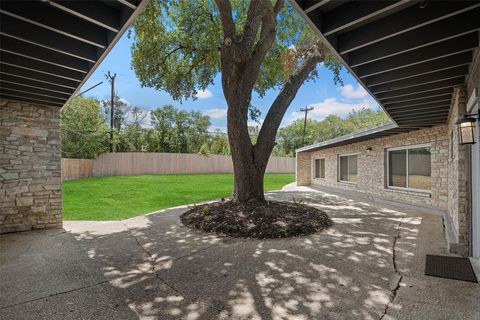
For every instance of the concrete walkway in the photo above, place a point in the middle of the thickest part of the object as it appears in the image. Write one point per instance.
(369, 265)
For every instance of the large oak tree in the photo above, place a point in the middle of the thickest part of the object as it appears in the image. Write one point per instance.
(181, 45)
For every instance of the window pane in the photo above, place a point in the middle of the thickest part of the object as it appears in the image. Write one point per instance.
(317, 168)
(322, 168)
(397, 167)
(419, 168)
(352, 168)
(344, 168)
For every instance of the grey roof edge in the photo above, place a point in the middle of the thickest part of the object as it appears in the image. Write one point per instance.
(356, 134)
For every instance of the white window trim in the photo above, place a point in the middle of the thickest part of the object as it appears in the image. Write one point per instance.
(338, 167)
(413, 146)
(313, 168)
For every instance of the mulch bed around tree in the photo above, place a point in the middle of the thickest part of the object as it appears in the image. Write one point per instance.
(258, 220)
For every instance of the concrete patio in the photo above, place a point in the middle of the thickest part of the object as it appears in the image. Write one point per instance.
(369, 265)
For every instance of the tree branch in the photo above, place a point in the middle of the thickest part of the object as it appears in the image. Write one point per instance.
(226, 50)
(256, 11)
(268, 132)
(264, 44)
(278, 6)
(171, 52)
(225, 9)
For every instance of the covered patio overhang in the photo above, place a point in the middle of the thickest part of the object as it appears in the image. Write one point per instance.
(420, 60)
(48, 49)
(409, 55)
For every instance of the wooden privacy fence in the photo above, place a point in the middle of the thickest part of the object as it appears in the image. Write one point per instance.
(137, 163)
(77, 168)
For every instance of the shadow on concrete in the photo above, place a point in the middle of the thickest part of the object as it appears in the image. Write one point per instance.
(152, 267)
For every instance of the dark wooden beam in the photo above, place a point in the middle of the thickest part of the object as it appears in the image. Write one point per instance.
(355, 12)
(419, 108)
(422, 123)
(39, 92)
(447, 92)
(418, 103)
(94, 12)
(42, 67)
(432, 52)
(41, 77)
(436, 32)
(432, 116)
(35, 84)
(310, 6)
(55, 58)
(445, 63)
(450, 83)
(47, 39)
(420, 80)
(400, 22)
(417, 112)
(129, 4)
(42, 15)
(32, 96)
(24, 99)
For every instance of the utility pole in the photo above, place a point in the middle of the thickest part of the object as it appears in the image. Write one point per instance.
(112, 98)
(306, 110)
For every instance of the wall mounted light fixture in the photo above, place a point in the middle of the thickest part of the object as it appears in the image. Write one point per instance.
(466, 128)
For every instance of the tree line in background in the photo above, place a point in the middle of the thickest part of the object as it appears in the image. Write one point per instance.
(85, 124)
(290, 138)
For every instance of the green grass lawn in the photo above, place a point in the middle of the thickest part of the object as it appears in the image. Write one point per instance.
(117, 198)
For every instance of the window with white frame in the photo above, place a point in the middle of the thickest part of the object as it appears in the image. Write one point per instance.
(348, 168)
(410, 168)
(320, 168)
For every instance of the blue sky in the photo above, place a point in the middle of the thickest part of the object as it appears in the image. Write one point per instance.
(326, 97)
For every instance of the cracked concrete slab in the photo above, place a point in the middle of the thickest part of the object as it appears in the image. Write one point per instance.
(369, 265)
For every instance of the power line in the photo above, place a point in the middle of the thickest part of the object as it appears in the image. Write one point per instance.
(92, 87)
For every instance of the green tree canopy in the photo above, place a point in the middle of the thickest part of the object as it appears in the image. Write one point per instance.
(177, 46)
(84, 131)
(180, 46)
(290, 137)
(177, 130)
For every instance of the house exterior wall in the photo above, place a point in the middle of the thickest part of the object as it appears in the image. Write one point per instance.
(372, 166)
(30, 182)
(458, 178)
(304, 168)
(449, 171)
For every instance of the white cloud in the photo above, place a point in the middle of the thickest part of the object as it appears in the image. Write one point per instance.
(125, 101)
(349, 92)
(332, 106)
(216, 113)
(204, 94)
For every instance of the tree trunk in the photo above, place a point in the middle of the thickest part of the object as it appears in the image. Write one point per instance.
(240, 66)
(248, 171)
(248, 184)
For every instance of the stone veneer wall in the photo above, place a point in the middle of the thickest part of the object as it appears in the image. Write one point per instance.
(372, 166)
(30, 182)
(304, 168)
(458, 182)
(450, 175)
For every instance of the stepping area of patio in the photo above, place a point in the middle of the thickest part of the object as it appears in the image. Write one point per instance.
(368, 265)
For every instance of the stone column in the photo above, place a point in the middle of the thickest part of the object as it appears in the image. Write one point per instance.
(30, 176)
